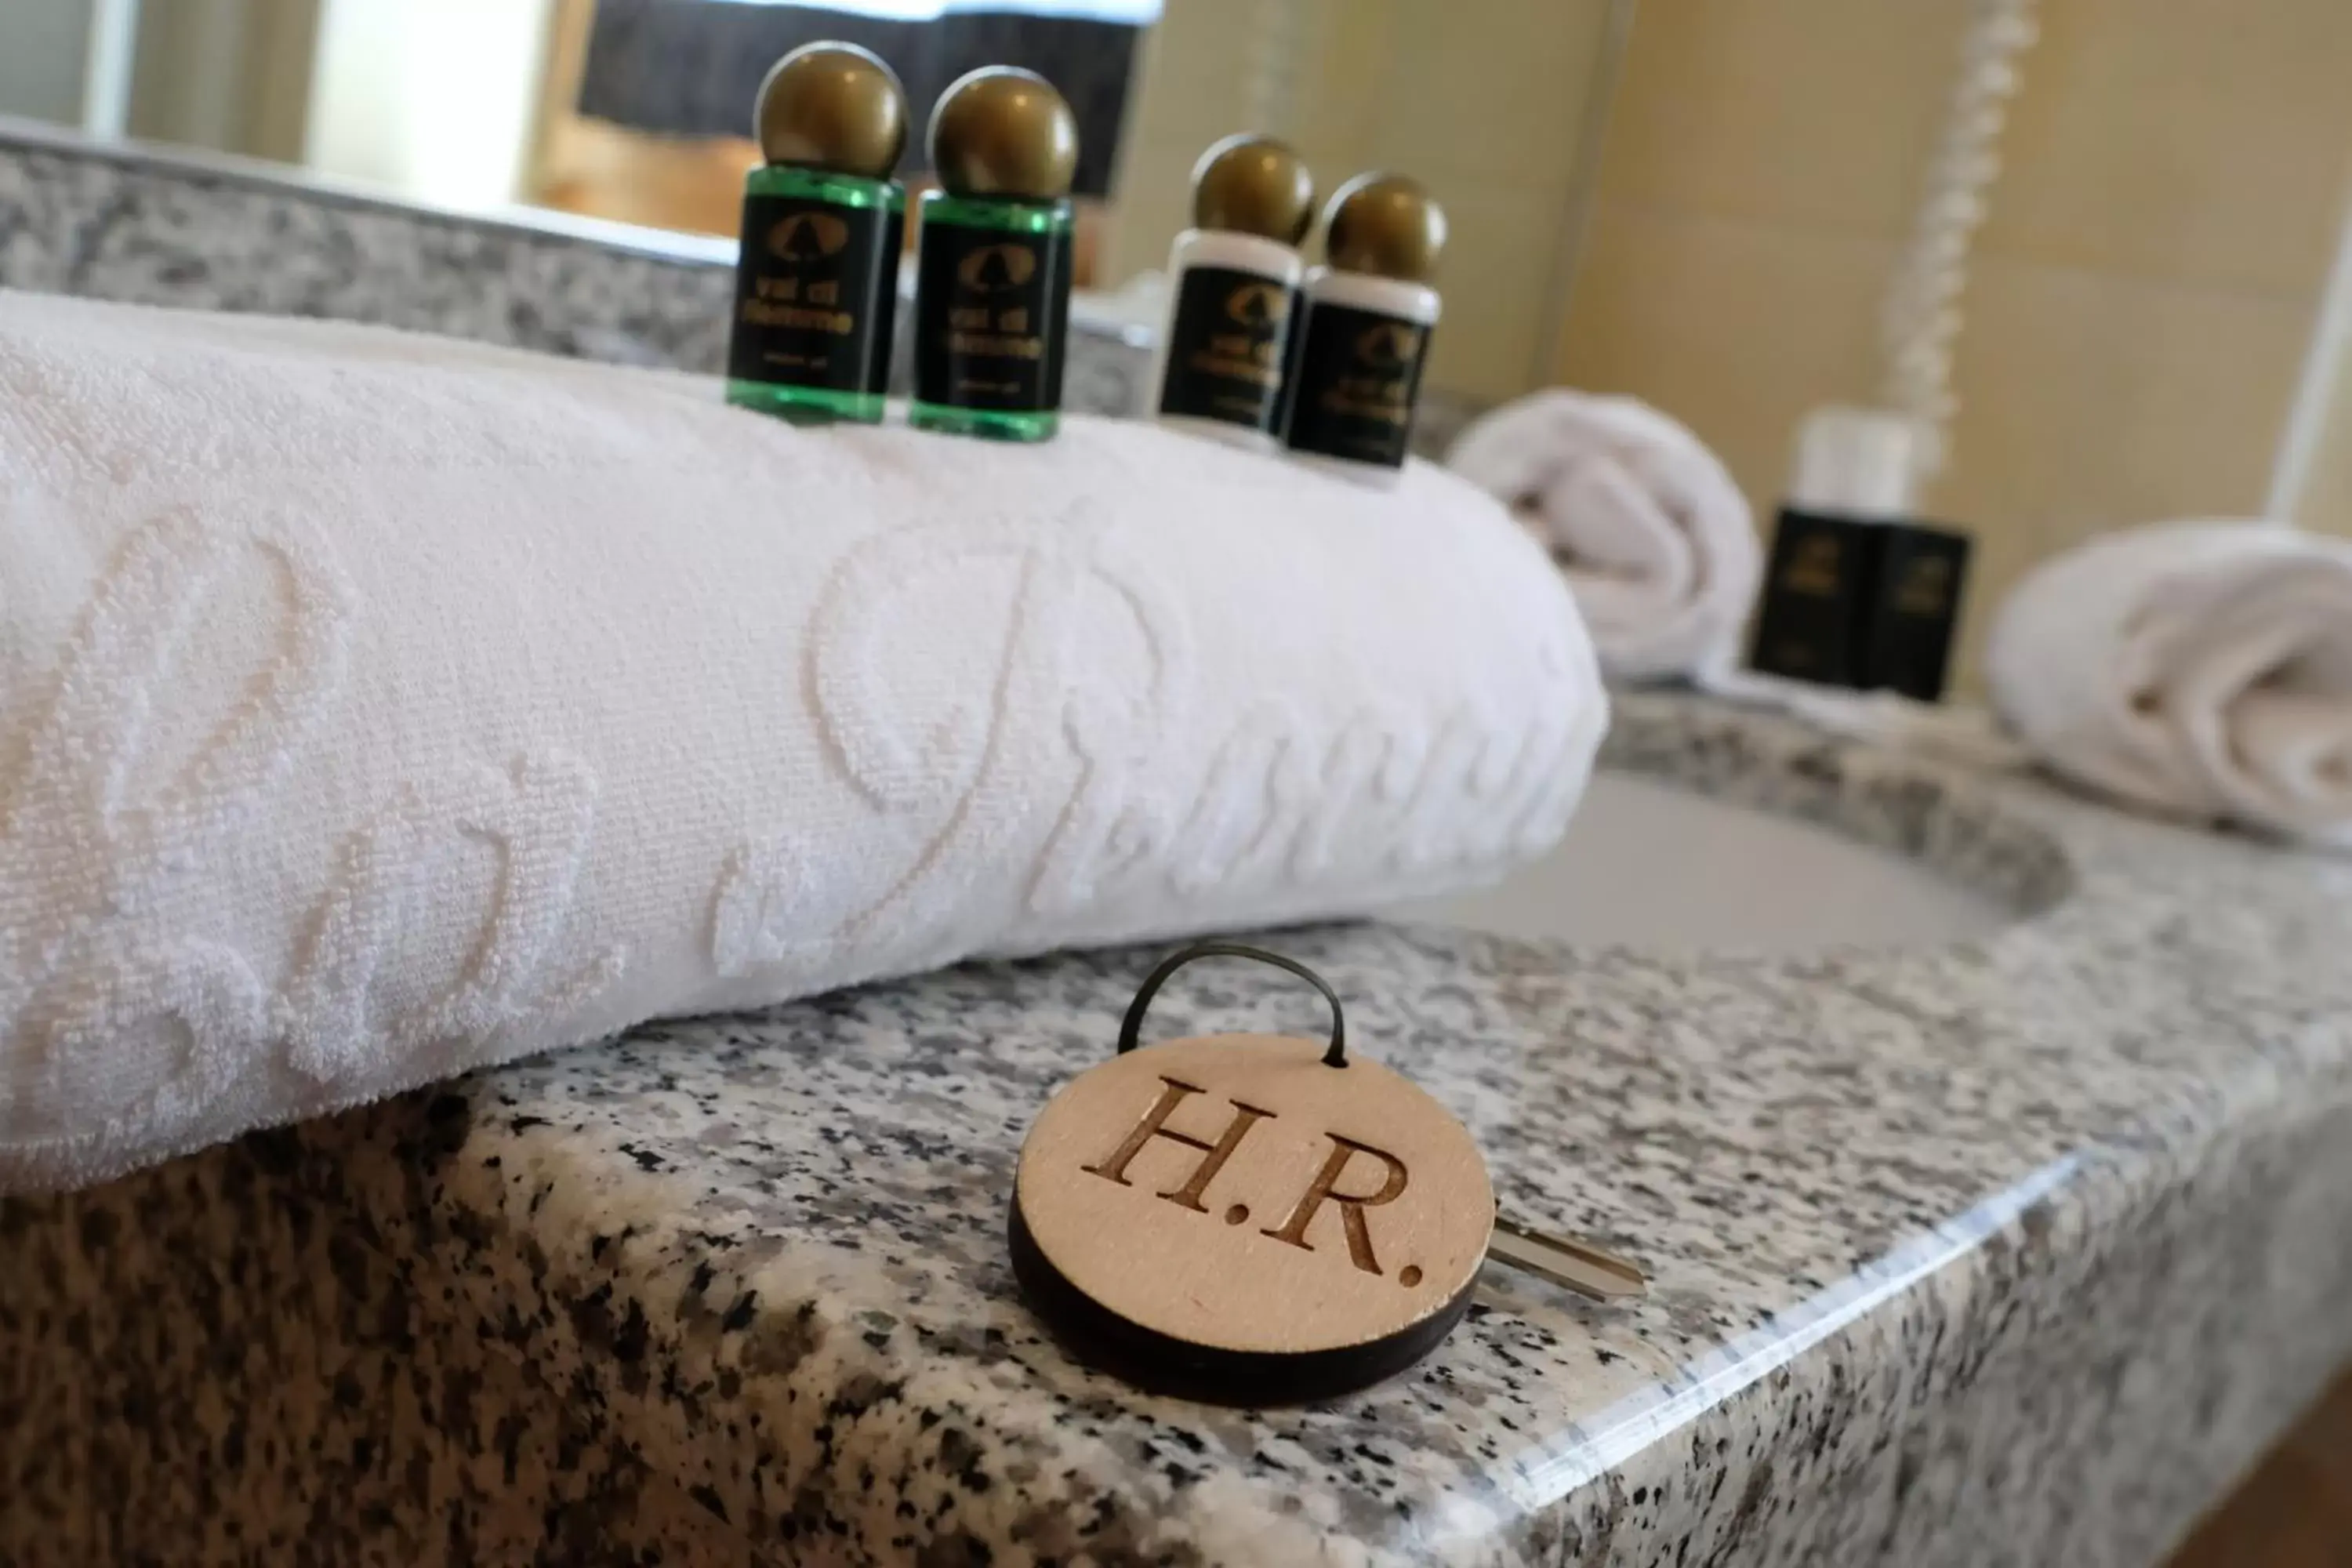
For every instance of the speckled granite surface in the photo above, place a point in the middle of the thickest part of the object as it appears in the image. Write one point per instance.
(152, 229)
(2010, 1251)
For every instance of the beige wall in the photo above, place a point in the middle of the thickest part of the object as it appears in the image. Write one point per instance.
(2175, 177)
(1482, 100)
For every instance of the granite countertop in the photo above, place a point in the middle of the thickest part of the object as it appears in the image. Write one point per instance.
(2012, 1249)
(2016, 1250)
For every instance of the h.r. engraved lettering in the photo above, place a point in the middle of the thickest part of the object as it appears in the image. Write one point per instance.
(1325, 1185)
(1154, 1125)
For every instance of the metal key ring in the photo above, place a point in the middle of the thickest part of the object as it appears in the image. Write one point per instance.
(1336, 1057)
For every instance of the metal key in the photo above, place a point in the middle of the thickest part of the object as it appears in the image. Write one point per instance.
(1578, 1266)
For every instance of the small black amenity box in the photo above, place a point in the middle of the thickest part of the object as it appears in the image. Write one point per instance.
(1816, 599)
(1915, 607)
(1860, 603)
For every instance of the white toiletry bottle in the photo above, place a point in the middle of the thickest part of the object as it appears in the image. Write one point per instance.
(1864, 466)
(1233, 292)
(1853, 472)
(1355, 373)
(1859, 463)
(1858, 591)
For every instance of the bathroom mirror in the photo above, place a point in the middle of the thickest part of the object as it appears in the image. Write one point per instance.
(638, 111)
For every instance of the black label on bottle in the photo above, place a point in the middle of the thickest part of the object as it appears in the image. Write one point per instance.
(1058, 332)
(1294, 343)
(1225, 347)
(987, 305)
(1811, 624)
(805, 306)
(1358, 374)
(1921, 574)
(885, 301)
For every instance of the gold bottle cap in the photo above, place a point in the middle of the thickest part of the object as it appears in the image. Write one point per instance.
(1387, 225)
(1004, 132)
(1254, 184)
(833, 106)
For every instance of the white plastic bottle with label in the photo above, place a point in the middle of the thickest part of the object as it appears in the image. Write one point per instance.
(1363, 341)
(1213, 393)
(1234, 293)
(1412, 304)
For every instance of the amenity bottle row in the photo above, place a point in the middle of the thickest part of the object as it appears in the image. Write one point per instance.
(816, 289)
(1259, 350)
(1262, 351)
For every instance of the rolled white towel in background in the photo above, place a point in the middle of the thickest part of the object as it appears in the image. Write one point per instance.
(1654, 536)
(2199, 668)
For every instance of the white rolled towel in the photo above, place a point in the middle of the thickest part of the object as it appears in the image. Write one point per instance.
(1656, 538)
(2199, 668)
(374, 707)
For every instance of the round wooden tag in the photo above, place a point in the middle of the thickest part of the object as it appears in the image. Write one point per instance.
(1236, 1217)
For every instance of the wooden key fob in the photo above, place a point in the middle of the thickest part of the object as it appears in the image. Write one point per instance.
(1255, 1218)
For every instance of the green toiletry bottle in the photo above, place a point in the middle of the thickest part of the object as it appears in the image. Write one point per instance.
(992, 282)
(816, 289)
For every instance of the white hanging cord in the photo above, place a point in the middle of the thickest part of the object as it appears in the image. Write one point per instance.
(1270, 89)
(1921, 320)
(2318, 391)
(106, 68)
